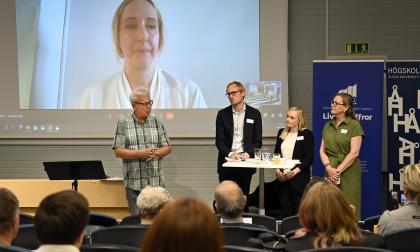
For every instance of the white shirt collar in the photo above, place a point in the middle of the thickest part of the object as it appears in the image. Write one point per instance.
(243, 109)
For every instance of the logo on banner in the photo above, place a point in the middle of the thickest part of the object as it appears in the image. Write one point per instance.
(351, 90)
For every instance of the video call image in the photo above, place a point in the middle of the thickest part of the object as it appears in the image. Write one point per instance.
(64, 75)
(68, 58)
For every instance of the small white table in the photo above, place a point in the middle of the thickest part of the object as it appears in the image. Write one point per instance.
(261, 165)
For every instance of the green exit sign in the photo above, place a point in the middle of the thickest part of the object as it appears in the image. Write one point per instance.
(357, 48)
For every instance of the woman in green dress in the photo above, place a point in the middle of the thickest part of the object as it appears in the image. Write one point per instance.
(340, 147)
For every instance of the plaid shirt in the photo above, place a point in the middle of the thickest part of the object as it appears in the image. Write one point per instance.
(132, 135)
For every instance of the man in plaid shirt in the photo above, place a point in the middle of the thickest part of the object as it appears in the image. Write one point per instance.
(141, 142)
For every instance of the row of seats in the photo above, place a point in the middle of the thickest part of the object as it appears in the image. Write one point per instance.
(117, 233)
(132, 235)
(103, 220)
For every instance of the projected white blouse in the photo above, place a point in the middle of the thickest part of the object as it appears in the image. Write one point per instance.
(167, 91)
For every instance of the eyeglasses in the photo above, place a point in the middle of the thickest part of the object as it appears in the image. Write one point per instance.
(334, 103)
(145, 104)
(233, 93)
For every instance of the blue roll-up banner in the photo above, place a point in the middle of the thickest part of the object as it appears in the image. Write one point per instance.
(363, 80)
(403, 115)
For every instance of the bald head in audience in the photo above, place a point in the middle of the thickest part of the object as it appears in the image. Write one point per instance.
(9, 216)
(150, 201)
(229, 201)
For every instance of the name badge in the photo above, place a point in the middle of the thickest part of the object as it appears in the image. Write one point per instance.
(344, 131)
(299, 138)
(249, 120)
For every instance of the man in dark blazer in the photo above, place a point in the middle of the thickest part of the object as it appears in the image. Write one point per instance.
(238, 132)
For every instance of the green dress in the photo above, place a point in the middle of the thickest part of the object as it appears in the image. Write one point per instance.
(337, 146)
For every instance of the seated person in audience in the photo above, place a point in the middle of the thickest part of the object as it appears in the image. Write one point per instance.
(328, 221)
(60, 220)
(407, 216)
(9, 216)
(230, 203)
(185, 225)
(150, 201)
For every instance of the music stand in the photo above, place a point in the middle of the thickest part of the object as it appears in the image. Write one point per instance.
(74, 170)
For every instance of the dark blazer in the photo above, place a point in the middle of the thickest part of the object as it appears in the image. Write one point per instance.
(303, 150)
(224, 133)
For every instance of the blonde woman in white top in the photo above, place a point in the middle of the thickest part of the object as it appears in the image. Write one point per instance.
(295, 141)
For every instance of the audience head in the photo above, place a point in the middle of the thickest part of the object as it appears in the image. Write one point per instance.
(313, 181)
(185, 225)
(61, 218)
(150, 201)
(412, 182)
(326, 212)
(229, 200)
(9, 216)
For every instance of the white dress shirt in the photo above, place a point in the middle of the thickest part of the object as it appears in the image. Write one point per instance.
(288, 145)
(238, 131)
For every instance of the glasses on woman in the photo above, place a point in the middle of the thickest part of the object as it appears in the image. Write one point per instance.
(334, 103)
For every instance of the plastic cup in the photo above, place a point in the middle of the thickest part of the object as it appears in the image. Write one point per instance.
(276, 158)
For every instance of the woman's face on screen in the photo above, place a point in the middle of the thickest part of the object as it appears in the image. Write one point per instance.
(139, 34)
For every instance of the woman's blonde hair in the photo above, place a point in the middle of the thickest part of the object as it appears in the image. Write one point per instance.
(326, 212)
(117, 19)
(412, 181)
(302, 124)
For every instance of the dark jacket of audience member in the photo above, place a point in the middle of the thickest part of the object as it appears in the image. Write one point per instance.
(185, 225)
(60, 220)
(328, 220)
(9, 216)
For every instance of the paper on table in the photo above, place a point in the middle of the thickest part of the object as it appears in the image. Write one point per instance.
(232, 160)
(114, 179)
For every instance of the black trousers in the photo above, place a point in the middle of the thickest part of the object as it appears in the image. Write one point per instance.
(281, 199)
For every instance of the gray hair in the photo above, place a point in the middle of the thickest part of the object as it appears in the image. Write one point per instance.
(230, 200)
(137, 93)
(151, 199)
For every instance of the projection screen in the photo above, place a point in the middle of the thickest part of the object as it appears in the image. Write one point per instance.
(53, 50)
